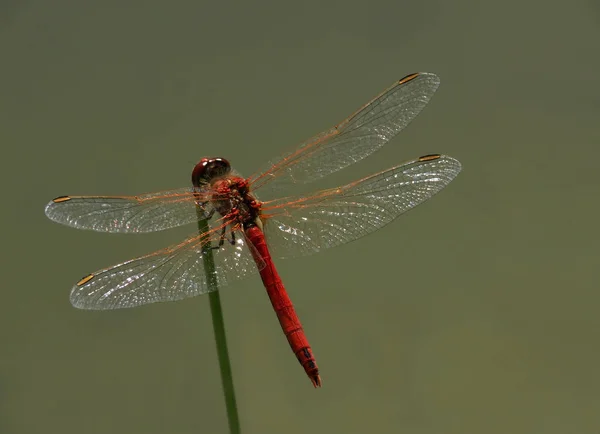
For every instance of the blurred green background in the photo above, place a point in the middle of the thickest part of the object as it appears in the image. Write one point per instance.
(475, 313)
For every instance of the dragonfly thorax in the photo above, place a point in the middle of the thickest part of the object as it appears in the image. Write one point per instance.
(231, 198)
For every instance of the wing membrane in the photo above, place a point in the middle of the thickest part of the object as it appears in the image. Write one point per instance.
(169, 274)
(356, 137)
(306, 225)
(126, 214)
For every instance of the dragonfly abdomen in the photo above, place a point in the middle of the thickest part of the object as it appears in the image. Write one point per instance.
(284, 309)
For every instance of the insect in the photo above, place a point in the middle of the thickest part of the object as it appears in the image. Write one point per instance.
(244, 233)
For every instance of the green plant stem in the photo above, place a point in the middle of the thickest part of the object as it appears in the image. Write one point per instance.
(219, 329)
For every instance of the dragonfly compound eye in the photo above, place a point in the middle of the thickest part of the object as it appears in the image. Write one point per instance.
(209, 169)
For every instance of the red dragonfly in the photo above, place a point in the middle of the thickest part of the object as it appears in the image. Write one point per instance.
(244, 232)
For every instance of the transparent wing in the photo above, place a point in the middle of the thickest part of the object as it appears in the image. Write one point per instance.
(306, 225)
(126, 214)
(169, 274)
(356, 137)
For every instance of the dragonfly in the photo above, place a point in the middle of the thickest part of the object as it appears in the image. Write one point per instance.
(243, 233)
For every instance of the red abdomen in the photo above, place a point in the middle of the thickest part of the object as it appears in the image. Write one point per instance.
(292, 328)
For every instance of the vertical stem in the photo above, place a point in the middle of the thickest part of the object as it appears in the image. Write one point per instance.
(219, 329)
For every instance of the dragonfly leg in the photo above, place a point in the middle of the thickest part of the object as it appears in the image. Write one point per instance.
(223, 237)
(207, 214)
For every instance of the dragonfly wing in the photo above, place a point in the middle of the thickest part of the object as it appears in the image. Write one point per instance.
(355, 138)
(169, 274)
(305, 225)
(126, 214)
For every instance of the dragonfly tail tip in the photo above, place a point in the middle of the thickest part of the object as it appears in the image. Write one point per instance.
(316, 381)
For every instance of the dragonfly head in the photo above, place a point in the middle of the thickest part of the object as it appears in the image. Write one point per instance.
(209, 169)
